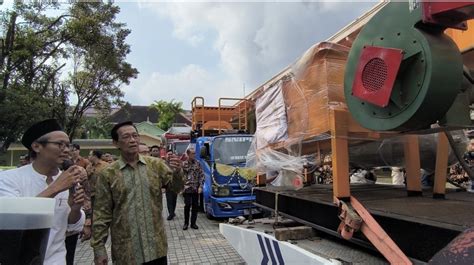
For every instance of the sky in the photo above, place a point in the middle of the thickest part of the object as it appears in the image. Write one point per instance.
(221, 49)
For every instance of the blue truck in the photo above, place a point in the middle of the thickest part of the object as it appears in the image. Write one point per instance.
(226, 194)
(222, 141)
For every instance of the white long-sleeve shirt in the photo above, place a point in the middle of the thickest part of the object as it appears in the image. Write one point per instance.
(27, 182)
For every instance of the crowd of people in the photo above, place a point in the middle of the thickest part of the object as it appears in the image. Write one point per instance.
(457, 175)
(99, 194)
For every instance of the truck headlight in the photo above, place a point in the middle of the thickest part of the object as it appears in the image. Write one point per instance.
(224, 205)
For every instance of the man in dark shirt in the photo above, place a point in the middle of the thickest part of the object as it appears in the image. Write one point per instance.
(193, 178)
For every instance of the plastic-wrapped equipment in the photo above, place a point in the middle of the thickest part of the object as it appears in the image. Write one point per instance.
(294, 121)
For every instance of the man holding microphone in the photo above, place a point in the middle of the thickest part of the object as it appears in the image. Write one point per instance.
(49, 148)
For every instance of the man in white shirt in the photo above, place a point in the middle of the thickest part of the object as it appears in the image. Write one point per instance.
(49, 147)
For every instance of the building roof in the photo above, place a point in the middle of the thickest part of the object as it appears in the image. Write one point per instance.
(149, 128)
(138, 114)
(93, 112)
(179, 128)
(184, 118)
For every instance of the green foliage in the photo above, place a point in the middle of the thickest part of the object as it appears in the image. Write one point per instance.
(96, 128)
(36, 80)
(167, 112)
(99, 52)
(19, 110)
(28, 68)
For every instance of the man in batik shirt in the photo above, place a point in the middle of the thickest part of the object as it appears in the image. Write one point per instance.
(193, 178)
(129, 202)
(96, 166)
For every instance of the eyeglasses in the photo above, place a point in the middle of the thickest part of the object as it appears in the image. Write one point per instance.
(61, 145)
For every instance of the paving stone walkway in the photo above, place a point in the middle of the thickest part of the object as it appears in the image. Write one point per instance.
(203, 246)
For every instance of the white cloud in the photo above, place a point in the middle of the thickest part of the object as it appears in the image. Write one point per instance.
(255, 41)
(190, 20)
(182, 86)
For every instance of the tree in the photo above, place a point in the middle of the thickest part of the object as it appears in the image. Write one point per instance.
(29, 65)
(34, 56)
(99, 53)
(167, 112)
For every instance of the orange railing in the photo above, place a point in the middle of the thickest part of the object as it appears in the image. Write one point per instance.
(220, 118)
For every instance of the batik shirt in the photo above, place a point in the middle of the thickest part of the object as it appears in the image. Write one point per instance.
(128, 200)
(84, 163)
(193, 176)
(92, 172)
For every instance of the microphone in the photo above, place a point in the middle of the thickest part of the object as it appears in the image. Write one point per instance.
(65, 166)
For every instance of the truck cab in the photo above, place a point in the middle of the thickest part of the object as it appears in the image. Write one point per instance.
(226, 194)
(179, 148)
(221, 144)
(177, 139)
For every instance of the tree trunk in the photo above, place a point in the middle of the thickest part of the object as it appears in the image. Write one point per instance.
(4, 146)
(6, 53)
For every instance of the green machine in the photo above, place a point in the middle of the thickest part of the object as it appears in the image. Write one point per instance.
(404, 74)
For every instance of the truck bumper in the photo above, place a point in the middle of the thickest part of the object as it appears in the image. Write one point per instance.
(233, 206)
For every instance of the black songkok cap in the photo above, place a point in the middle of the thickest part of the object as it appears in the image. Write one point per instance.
(39, 129)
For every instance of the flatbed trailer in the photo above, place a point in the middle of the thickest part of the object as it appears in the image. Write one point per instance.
(420, 226)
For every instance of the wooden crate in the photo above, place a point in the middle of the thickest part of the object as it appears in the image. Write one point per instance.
(318, 84)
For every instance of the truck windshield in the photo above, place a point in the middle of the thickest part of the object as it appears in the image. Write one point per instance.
(231, 149)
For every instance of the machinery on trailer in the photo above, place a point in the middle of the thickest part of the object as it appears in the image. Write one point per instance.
(404, 76)
(221, 145)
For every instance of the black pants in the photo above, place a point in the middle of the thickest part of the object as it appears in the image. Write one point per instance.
(171, 198)
(201, 202)
(71, 242)
(191, 199)
(160, 261)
